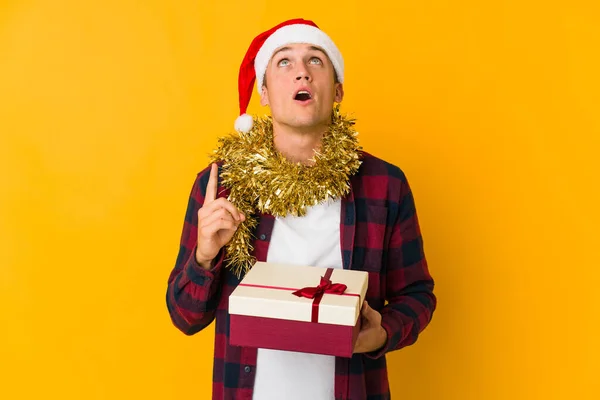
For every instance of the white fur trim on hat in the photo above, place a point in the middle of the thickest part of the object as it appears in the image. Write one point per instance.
(297, 33)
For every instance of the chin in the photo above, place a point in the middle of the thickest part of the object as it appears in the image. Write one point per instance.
(312, 121)
(305, 123)
(302, 119)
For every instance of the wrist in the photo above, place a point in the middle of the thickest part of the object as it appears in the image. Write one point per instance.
(203, 262)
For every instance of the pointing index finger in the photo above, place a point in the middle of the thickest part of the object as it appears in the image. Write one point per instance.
(211, 187)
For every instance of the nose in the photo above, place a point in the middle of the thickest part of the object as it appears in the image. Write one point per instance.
(303, 74)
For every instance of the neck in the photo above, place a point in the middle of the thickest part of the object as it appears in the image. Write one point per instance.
(297, 145)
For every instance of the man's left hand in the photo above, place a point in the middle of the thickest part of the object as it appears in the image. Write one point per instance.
(372, 335)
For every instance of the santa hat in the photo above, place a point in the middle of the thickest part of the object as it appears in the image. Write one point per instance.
(261, 50)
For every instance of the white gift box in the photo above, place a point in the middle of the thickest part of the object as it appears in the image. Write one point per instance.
(298, 308)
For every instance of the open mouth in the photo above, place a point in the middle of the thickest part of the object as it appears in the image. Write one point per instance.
(303, 95)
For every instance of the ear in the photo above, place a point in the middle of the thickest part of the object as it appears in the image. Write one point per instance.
(264, 96)
(339, 92)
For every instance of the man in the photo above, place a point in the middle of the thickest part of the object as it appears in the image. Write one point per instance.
(357, 213)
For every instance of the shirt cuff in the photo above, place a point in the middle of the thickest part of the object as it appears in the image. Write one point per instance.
(200, 271)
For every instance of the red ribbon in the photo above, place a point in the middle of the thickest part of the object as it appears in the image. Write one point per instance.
(316, 293)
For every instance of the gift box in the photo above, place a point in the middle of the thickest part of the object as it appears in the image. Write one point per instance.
(298, 308)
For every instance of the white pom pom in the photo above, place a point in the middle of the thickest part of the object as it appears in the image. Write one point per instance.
(243, 123)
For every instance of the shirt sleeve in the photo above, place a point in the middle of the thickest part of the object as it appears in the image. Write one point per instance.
(193, 293)
(408, 282)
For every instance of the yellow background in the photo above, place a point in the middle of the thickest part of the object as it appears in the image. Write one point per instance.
(109, 108)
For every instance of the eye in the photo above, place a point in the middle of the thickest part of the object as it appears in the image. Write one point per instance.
(283, 62)
(315, 60)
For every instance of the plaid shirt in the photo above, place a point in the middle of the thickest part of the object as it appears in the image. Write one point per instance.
(379, 233)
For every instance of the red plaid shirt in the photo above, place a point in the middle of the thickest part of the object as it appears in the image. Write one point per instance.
(379, 233)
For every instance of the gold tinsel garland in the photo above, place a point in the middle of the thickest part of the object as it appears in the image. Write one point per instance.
(261, 180)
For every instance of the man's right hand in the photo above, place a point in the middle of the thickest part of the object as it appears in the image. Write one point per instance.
(218, 219)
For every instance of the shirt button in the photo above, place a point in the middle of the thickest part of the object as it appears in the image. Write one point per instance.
(263, 236)
(247, 369)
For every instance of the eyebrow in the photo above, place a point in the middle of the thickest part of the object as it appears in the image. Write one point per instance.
(289, 48)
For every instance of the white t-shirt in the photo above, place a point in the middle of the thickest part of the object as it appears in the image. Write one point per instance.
(310, 240)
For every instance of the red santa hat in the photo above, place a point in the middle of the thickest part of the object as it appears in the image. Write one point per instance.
(261, 50)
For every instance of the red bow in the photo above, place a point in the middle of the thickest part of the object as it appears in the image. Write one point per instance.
(316, 293)
(324, 287)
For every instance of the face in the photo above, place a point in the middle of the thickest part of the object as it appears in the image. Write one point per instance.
(300, 87)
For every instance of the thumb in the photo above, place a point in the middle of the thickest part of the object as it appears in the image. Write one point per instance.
(365, 309)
